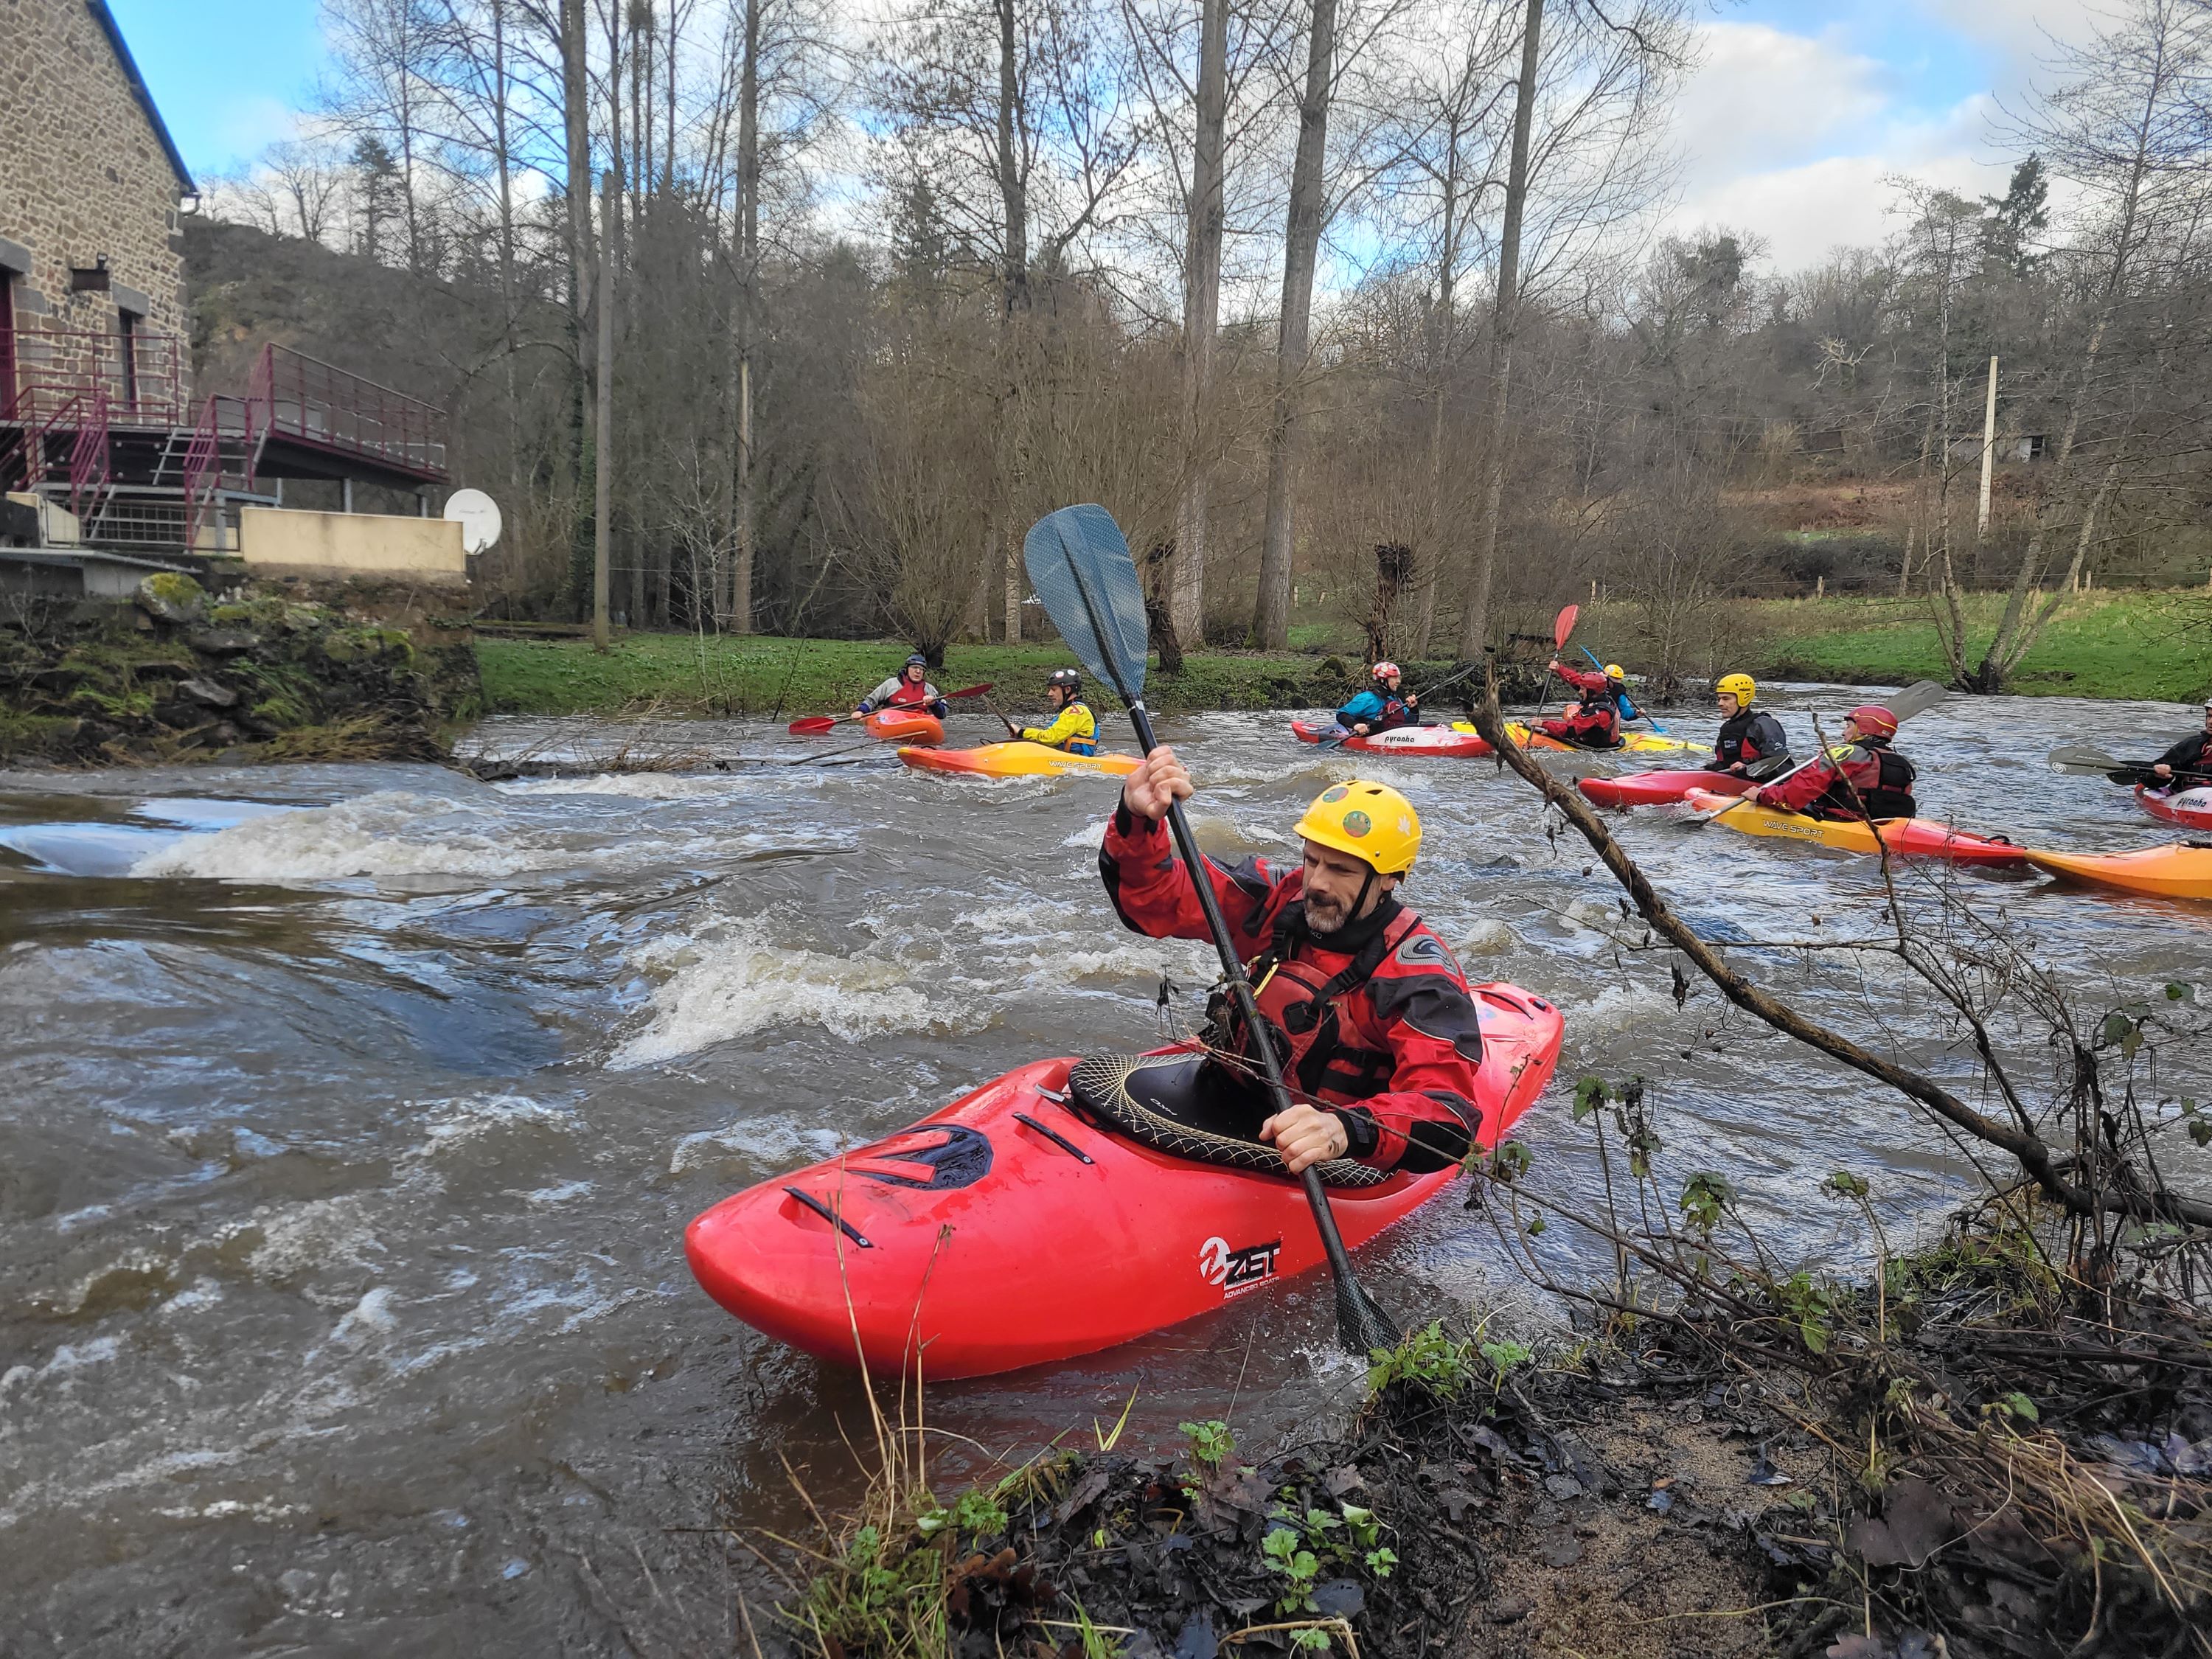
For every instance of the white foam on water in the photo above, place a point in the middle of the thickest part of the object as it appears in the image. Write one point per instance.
(383, 834)
(472, 1116)
(1090, 835)
(728, 979)
(308, 1237)
(771, 1143)
(369, 1318)
(1618, 1008)
(637, 785)
(1487, 937)
(560, 1193)
(68, 1360)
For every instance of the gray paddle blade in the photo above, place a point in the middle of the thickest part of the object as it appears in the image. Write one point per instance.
(1078, 562)
(1916, 698)
(2080, 760)
(1362, 1326)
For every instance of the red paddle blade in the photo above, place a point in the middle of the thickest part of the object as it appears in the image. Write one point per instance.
(1564, 625)
(970, 691)
(813, 727)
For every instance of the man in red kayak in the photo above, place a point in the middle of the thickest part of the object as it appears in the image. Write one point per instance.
(1381, 707)
(1371, 1017)
(1869, 779)
(1751, 740)
(2192, 755)
(907, 688)
(1593, 721)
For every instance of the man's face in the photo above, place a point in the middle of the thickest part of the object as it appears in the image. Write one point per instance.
(1055, 696)
(1333, 883)
(1851, 732)
(915, 672)
(2208, 717)
(1729, 705)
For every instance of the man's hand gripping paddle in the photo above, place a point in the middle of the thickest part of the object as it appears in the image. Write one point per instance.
(813, 726)
(2083, 761)
(1078, 562)
(1916, 699)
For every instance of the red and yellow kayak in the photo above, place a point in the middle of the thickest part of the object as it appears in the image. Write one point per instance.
(906, 725)
(1010, 1229)
(1659, 788)
(1017, 759)
(2190, 808)
(2182, 870)
(1914, 837)
(1442, 741)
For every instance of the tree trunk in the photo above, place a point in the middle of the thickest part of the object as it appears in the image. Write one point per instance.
(603, 445)
(1271, 616)
(1201, 313)
(737, 612)
(1013, 187)
(576, 97)
(1433, 560)
(1474, 622)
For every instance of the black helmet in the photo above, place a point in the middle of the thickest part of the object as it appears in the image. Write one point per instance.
(917, 660)
(1066, 679)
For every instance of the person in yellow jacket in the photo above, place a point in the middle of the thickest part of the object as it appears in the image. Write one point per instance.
(1075, 727)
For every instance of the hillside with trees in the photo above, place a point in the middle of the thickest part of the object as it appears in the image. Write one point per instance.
(1362, 333)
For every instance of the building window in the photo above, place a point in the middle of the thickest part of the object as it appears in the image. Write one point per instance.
(129, 344)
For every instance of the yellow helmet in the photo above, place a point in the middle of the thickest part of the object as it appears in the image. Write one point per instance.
(1738, 686)
(1613, 670)
(1371, 821)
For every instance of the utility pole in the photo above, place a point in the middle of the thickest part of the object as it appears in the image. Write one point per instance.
(1988, 454)
(603, 454)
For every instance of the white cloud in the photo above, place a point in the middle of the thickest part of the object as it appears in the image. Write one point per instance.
(1761, 96)
(249, 125)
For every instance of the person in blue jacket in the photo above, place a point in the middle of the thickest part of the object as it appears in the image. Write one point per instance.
(1381, 707)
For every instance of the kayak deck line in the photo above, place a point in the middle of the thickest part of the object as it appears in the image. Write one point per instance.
(831, 1216)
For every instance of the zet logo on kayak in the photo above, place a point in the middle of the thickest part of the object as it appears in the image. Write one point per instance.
(1237, 1271)
(962, 1158)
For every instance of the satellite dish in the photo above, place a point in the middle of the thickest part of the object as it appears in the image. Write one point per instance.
(477, 515)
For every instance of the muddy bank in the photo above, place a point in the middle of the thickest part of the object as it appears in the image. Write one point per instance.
(235, 670)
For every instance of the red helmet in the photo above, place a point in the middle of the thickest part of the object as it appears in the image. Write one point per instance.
(1387, 670)
(1873, 721)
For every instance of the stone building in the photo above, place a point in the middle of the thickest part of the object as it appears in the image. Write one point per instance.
(104, 440)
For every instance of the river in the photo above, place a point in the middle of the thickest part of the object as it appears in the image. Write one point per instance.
(353, 1115)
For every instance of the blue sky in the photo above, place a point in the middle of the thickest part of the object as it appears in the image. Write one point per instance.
(1797, 112)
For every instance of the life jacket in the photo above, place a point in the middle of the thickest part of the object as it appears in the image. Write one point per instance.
(1080, 744)
(1889, 796)
(1737, 740)
(908, 695)
(1297, 1009)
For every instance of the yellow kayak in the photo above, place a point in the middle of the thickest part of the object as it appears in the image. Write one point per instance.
(1919, 837)
(2178, 870)
(1016, 760)
(1632, 743)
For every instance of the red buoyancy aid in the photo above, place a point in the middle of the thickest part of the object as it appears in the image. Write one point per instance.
(1883, 790)
(908, 695)
(1297, 1003)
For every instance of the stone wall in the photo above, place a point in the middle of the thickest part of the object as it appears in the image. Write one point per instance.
(83, 172)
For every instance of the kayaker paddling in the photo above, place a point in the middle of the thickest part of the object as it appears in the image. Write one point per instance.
(1382, 707)
(1593, 720)
(907, 688)
(2190, 757)
(1749, 738)
(1371, 1017)
(1073, 728)
(1867, 780)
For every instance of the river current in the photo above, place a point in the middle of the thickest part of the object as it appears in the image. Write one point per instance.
(350, 1117)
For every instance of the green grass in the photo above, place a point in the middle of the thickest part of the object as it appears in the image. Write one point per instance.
(683, 674)
(2150, 645)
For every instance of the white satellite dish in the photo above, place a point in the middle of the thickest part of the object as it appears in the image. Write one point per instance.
(477, 515)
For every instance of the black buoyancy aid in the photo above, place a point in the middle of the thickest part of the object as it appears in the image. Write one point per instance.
(1297, 1005)
(1890, 797)
(1746, 735)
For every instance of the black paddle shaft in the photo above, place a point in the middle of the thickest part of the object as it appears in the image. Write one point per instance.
(1377, 1331)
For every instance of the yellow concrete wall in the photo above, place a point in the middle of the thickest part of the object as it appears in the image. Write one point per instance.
(345, 544)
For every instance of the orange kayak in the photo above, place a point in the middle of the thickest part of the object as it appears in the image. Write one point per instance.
(2181, 870)
(906, 725)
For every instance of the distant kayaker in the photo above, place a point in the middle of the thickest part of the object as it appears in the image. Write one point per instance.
(1073, 728)
(907, 688)
(2192, 754)
(1381, 707)
(1866, 780)
(1749, 738)
(1372, 1019)
(1593, 721)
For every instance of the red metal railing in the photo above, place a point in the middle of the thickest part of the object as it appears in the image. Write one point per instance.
(326, 408)
(57, 367)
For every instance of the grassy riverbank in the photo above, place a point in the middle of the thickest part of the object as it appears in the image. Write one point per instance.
(2154, 644)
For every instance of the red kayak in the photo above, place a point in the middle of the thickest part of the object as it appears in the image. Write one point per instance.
(906, 725)
(1919, 838)
(2191, 808)
(1027, 1222)
(1441, 740)
(1659, 788)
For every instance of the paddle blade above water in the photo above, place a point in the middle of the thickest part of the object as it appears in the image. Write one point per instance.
(1562, 625)
(813, 726)
(1078, 562)
(2083, 761)
(968, 691)
(1916, 698)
